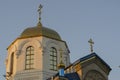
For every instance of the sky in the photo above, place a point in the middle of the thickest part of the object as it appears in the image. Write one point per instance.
(75, 20)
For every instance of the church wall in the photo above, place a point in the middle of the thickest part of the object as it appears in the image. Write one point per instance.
(9, 63)
(93, 66)
(19, 49)
(41, 69)
(29, 75)
(42, 47)
(35, 42)
(48, 43)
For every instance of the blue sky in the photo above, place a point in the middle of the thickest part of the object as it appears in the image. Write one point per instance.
(75, 20)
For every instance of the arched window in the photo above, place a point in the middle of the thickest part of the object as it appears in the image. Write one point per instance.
(94, 75)
(12, 63)
(29, 58)
(53, 59)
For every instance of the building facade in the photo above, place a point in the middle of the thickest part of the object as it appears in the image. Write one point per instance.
(35, 55)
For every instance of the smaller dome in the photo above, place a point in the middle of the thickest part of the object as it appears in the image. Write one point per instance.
(39, 30)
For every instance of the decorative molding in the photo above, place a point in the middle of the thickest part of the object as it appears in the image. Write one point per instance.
(29, 78)
(51, 41)
(18, 52)
(94, 75)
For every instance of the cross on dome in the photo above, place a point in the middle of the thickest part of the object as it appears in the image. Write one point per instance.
(40, 11)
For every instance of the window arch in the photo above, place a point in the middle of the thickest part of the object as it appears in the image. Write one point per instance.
(29, 62)
(94, 75)
(12, 63)
(53, 58)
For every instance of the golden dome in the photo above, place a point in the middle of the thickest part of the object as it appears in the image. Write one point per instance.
(39, 30)
(61, 65)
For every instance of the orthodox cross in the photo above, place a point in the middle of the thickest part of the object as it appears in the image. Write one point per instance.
(40, 11)
(91, 45)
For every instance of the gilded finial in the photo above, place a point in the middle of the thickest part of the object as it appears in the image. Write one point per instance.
(61, 64)
(91, 45)
(40, 11)
(61, 55)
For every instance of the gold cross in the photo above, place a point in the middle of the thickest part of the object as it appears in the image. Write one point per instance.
(40, 11)
(91, 45)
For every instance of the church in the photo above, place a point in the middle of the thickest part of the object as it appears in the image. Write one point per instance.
(39, 53)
